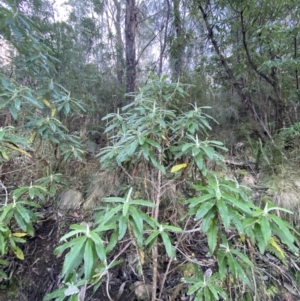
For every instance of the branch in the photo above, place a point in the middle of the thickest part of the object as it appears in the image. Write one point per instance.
(250, 60)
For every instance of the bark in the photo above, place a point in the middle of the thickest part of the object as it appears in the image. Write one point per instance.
(130, 33)
(177, 48)
(119, 43)
(165, 38)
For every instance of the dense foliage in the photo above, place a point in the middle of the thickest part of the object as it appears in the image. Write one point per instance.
(63, 102)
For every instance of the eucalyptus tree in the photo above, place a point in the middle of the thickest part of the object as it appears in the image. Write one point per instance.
(256, 43)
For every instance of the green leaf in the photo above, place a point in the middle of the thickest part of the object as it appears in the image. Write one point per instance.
(101, 253)
(24, 213)
(243, 257)
(199, 162)
(151, 237)
(222, 263)
(204, 208)
(259, 238)
(89, 259)
(224, 213)
(122, 227)
(142, 203)
(195, 287)
(172, 228)
(20, 221)
(242, 275)
(137, 234)
(137, 217)
(265, 229)
(213, 290)
(66, 245)
(7, 212)
(112, 242)
(206, 294)
(206, 222)
(74, 257)
(168, 245)
(212, 235)
(232, 265)
(200, 199)
(125, 208)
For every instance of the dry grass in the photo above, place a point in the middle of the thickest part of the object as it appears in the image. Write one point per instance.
(284, 190)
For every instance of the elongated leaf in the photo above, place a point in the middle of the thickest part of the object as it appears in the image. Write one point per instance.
(138, 235)
(142, 203)
(243, 206)
(70, 234)
(204, 208)
(151, 237)
(137, 217)
(18, 252)
(112, 242)
(101, 253)
(212, 235)
(200, 199)
(206, 292)
(232, 265)
(213, 290)
(66, 245)
(74, 257)
(222, 263)
(275, 245)
(224, 213)
(7, 212)
(243, 257)
(20, 221)
(24, 213)
(265, 228)
(58, 295)
(172, 228)
(241, 274)
(206, 222)
(122, 227)
(125, 208)
(194, 288)
(168, 245)
(178, 167)
(283, 226)
(259, 238)
(89, 259)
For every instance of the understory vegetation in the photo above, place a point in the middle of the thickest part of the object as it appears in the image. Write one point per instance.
(120, 182)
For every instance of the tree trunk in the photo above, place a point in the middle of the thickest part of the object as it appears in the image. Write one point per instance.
(119, 43)
(178, 46)
(130, 33)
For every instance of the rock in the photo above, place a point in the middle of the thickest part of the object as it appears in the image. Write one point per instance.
(142, 291)
(70, 200)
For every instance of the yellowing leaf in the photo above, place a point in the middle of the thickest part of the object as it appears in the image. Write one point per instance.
(178, 167)
(16, 148)
(19, 234)
(53, 111)
(19, 253)
(47, 103)
(274, 244)
(142, 256)
(242, 237)
(4, 155)
(32, 137)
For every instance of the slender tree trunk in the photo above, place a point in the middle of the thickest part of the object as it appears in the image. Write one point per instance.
(178, 46)
(163, 43)
(244, 96)
(130, 33)
(119, 43)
